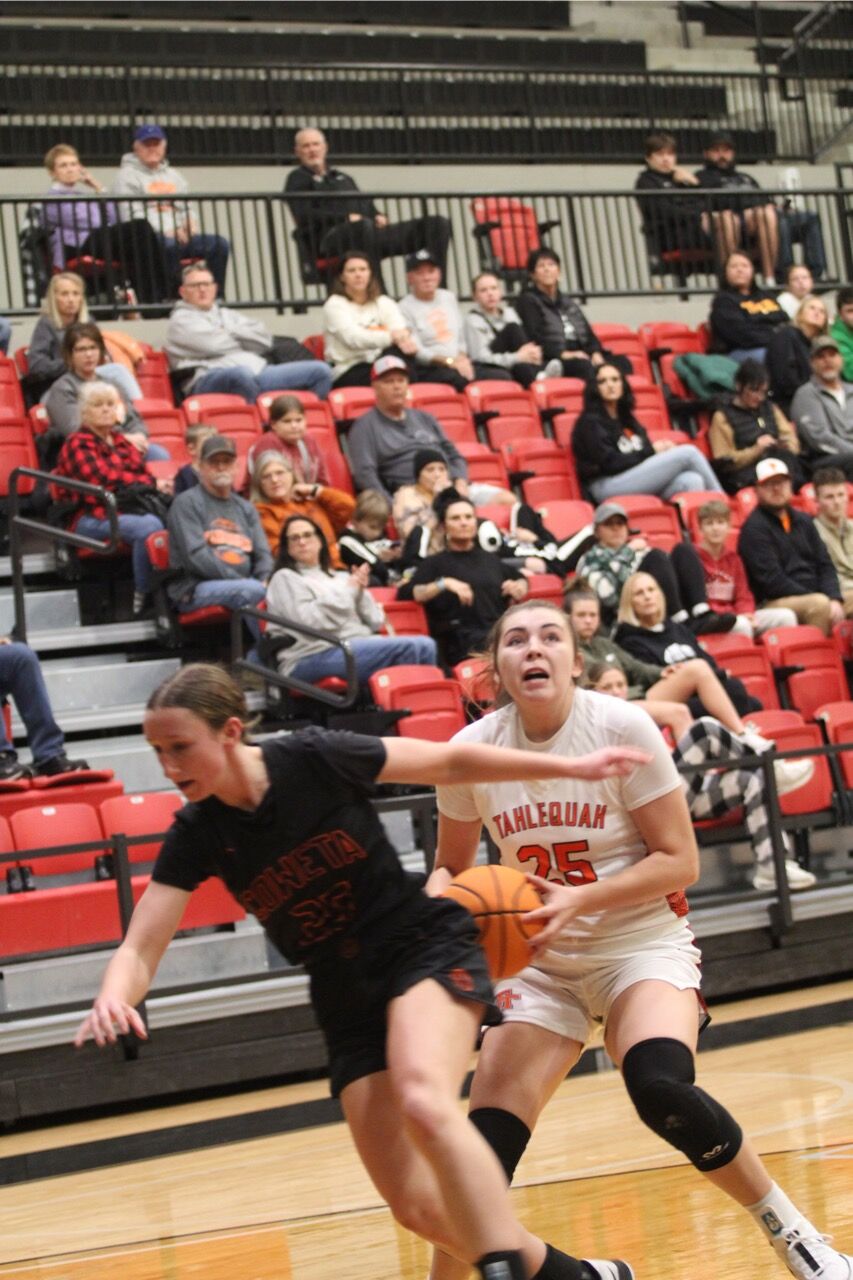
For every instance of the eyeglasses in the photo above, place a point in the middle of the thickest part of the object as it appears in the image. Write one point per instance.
(200, 284)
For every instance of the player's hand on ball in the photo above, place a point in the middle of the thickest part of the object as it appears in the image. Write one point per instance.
(608, 762)
(560, 904)
(108, 1019)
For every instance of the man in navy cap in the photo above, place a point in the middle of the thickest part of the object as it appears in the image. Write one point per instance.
(145, 171)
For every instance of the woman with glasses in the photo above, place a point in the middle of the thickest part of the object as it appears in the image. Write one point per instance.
(305, 587)
(614, 454)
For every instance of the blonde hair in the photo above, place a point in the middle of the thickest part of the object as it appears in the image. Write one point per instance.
(260, 465)
(626, 604)
(812, 297)
(372, 505)
(715, 509)
(205, 690)
(49, 307)
(61, 149)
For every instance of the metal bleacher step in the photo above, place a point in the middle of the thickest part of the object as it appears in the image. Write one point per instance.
(44, 610)
(102, 635)
(36, 564)
(103, 694)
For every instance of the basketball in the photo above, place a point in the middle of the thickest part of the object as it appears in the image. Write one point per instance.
(497, 898)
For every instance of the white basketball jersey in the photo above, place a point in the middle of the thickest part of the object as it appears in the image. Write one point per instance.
(573, 831)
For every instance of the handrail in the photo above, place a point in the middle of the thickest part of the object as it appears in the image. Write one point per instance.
(17, 523)
(293, 684)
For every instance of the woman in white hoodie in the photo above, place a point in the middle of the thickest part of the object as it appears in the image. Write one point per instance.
(360, 323)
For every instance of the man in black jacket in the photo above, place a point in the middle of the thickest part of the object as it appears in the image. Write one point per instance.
(786, 561)
(341, 218)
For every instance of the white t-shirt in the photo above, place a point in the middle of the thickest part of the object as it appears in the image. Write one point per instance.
(570, 830)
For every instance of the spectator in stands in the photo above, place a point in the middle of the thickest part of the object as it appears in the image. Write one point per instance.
(435, 322)
(726, 586)
(5, 334)
(217, 547)
(614, 454)
(463, 588)
(99, 454)
(64, 305)
(288, 434)
(343, 219)
(773, 230)
(835, 529)
(787, 564)
(690, 680)
(216, 349)
(646, 632)
(743, 317)
(799, 283)
(384, 441)
(823, 410)
(554, 321)
(413, 503)
(145, 172)
(305, 588)
(712, 793)
(87, 228)
(750, 427)
(789, 350)
(842, 329)
(494, 335)
(618, 551)
(360, 323)
(278, 495)
(672, 223)
(21, 678)
(187, 476)
(364, 540)
(84, 353)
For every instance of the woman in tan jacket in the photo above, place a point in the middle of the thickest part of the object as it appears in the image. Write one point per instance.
(277, 496)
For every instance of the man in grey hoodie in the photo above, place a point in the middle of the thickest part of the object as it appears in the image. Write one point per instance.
(219, 350)
(822, 409)
(146, 172)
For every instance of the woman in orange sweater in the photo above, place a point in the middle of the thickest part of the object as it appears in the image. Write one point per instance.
(277, 496)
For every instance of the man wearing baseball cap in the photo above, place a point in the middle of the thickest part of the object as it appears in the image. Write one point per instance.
(145, 172)
(344, 219)
(435, 322)
(823, 409)
(786, 561)
(384, 441)
(216, 542)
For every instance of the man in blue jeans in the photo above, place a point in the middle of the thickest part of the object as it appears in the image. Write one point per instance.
(216, 543)
(21, 677)
(217, 349)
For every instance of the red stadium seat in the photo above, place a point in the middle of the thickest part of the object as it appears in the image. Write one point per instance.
(447, 406)
(564, 518)
(316, 344)
(508, 231)
(749, 662)
(349, 403)
(152, 374)
(815, 796)
(39, 421)
(230, 415)
(46, 825)
(318, 415)
(484, 465)
(622, 341)
(837, 719)
(676, 338)
(545, 586)
(563, 425)
(500, 399)
(90, 787)
(553, 395)
(544, 457)
(656, 520)
(146, 813)
(11, 395)
(556, 488)
(434, 701)
(506, 430)
(500, 513)
(407, 617)
(17, 449)
(474, 677)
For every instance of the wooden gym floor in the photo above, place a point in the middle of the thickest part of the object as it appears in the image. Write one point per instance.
(296, 1205)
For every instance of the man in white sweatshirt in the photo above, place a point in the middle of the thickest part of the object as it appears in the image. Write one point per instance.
(217, 349)
(146, 172)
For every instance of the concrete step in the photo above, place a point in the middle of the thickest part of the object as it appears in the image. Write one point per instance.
(99, 636)
(100, 695)
(128, 755)
(44, 610)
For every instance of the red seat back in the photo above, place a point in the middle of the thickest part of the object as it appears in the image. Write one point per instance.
(516, 234)
(145, 813)
(57, 824)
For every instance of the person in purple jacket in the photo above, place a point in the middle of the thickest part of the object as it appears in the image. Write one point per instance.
(88, 228)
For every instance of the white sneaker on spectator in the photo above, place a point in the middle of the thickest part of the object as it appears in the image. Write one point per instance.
(791, 774)
(553, 369)
(798, 878)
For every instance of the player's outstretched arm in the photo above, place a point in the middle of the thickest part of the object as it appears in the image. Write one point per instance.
(412, 760)
(130, 972)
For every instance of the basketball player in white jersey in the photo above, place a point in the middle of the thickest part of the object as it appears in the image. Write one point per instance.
(611, 860)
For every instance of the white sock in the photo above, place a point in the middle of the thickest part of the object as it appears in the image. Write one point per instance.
(775, 1213)
(699, 609)
(680, 616)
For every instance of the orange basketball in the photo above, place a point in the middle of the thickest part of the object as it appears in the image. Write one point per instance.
(497, 898)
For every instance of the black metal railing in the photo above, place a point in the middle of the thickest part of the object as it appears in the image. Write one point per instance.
(609, 246)
(409, 114)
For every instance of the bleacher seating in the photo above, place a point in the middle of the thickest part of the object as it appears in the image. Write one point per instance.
(433, 701)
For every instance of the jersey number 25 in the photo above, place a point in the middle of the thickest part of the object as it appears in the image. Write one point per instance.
(560, 858)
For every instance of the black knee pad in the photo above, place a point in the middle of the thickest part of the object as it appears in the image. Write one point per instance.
(659, 1076)
(505, 1133)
